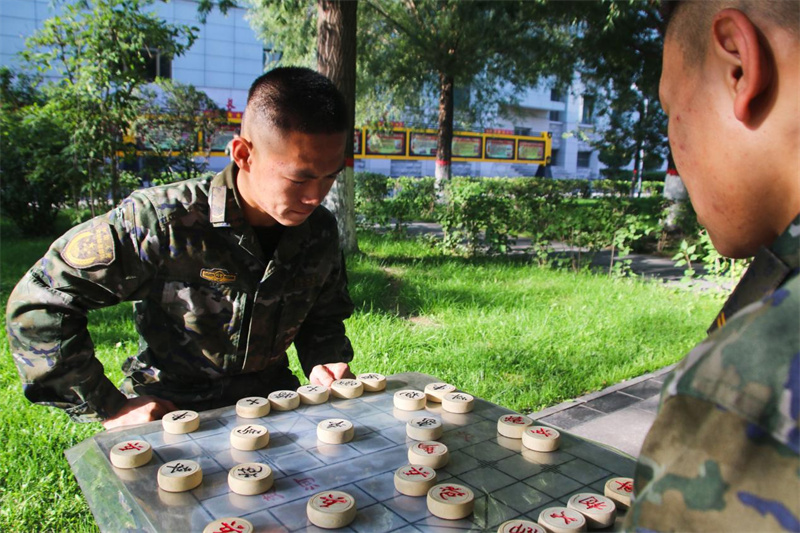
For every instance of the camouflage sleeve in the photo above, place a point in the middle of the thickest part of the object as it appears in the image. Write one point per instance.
(96, 264)
(322, 338)
(722, 454)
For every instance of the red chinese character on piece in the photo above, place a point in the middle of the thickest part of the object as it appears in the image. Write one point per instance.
(414, 471)
(328, 500)
(520, 528)
(592, 503)
(627, 486)
(515, 419)
(567, 519)
(543, 431)
(449, 491)
(307, 483)
(428, 448)
(131, 446)
(233, 527)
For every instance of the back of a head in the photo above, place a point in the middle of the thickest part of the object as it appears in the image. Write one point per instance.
(296, 99)
(690, 20)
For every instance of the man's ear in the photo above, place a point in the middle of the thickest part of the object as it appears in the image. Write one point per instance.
(240, 152)
(735, 41)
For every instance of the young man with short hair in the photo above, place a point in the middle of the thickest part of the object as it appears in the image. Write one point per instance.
(226, 272)
(722, 454)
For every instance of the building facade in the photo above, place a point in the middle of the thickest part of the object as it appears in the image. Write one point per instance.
(227, 56)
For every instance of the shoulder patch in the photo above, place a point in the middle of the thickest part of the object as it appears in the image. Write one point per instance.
(91, 247)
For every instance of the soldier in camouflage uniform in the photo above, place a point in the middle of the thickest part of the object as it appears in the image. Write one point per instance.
(722, 454)
(226, 272)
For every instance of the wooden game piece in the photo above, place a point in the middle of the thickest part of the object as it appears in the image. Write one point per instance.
(130, 454)
(428, 453)
(541, 439)
(619, 489)
(252, 407)
(409, 400)
(284, 400)
(424, 428)
(313, 394)
(372, 382)
(599, 511)
(513, 425)
(179, 422)
(515, 445)
(436, 391)
(331, 509)
(250, 478)
(414, 480)
(458, 402)
(520, 526)
(335, 431)
(561, 520)
(249, 437)
(231, 524)
(450, 501)
(180, 475)
(347, 388)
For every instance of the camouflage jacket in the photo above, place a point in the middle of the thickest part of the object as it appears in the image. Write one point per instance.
(722, 454)
(214, 316)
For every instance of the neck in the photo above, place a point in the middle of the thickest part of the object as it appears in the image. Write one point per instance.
(252, 214)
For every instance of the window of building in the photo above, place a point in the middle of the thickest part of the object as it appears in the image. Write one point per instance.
(587, 117)
(554, 157)
(522, 131)
(556, 95)
(271, 57)
(555, 115)
(584, 158)
(156, 64)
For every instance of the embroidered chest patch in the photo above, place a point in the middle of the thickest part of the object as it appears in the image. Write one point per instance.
(217, 275)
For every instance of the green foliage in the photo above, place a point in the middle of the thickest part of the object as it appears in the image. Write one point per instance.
(371, 192)
(716, 267)
(171, 114)
(380, 199)
(36, 165)
(97, 49)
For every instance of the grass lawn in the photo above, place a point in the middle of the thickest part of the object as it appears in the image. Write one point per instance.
(500, 328)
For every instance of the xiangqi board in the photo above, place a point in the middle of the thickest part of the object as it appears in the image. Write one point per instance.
(508, 480)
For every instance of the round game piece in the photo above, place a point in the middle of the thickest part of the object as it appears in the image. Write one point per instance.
(347, 388)
(313, 394)
(436, 391)
(179, 422)
(561, 520)
(372, 382)
(541, 439)
(424, 428)
(620, 489)
(450, 501)
(249, 437)
(252, 407)
(428, 453)
(180, 475)
(414, 480)
(520, 526)
(512, 426)
(409, 400)
(331, 509)
(515, 445)
(250, 478)
(131, 454)
(458, 402)
(230, 524)
(599, 511)
(335, 431)
(284, 400)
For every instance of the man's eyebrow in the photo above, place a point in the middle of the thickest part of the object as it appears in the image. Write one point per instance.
(308, 175)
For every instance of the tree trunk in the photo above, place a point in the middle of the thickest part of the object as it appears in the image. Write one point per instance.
(444, 145)
(336, 59)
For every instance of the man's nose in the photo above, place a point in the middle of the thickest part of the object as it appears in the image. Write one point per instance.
(315, 192)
